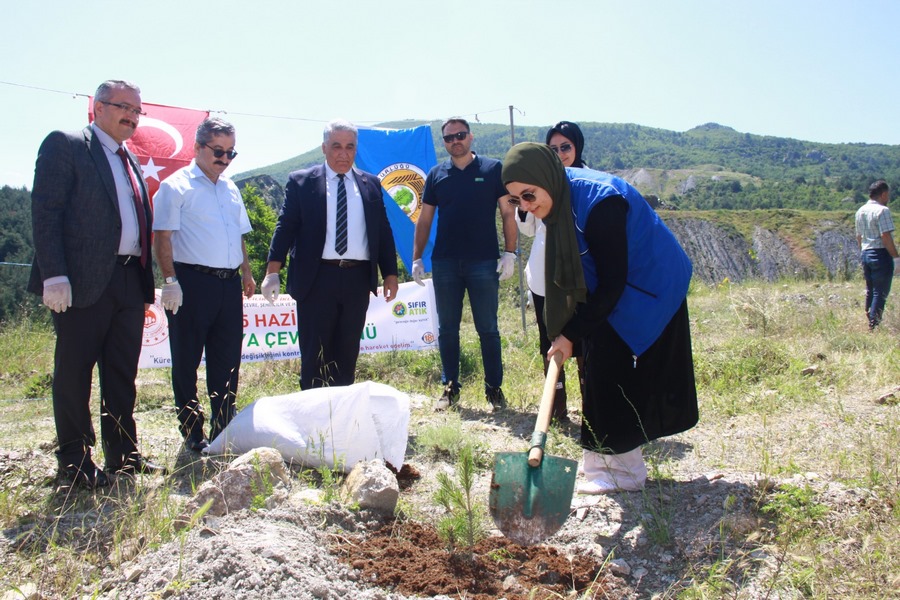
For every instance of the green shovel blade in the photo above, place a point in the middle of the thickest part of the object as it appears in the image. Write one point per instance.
(529, 504)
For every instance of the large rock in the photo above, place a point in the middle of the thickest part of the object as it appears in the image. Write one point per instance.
(252, 475)
(372, 485)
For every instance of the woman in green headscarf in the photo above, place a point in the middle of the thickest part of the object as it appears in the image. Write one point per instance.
(616, 279)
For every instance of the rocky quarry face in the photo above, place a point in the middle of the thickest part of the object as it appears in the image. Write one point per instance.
(719, 252)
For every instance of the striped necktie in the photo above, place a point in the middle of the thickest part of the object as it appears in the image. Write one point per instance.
(340, 222)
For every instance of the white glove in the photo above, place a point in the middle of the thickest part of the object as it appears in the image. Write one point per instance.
(271, 286)
(171, 297)
(418, 271)
(506, 265)
(58, 296)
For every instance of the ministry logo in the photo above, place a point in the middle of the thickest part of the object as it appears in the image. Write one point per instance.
(156, 326)
(405, 183)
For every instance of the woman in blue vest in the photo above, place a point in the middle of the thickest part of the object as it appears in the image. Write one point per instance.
(617, 280)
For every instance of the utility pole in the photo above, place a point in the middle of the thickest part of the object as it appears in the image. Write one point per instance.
(522, 297)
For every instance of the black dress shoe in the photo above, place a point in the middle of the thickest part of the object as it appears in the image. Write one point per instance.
(196, 445)
(88, 476)
(138, 464)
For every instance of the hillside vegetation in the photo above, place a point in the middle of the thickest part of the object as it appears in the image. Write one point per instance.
(708, 167)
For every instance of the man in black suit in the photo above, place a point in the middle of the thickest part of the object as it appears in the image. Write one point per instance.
(91, 222)
(335, 226)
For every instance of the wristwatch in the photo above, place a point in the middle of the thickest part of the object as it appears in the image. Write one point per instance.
(171, 280)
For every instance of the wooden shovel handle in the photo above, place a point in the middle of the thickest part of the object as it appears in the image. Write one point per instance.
(536, 454)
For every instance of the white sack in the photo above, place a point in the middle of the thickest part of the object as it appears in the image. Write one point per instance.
(324, 426)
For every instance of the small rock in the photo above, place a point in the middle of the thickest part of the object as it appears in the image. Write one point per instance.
(126, 551)
(619, 567)
(273, 554)
(765, 484)
(26, 591)
(132, 574)
(511, 583)
(890, 399)
(639, 573)
(310, 495)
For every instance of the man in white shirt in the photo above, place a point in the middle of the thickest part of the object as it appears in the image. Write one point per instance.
(875, 236)
(200, 221)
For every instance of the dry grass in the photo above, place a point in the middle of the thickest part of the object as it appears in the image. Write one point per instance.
(789, 380)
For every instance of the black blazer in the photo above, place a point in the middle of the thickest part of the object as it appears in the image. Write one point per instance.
(75, 217)
(300, 230)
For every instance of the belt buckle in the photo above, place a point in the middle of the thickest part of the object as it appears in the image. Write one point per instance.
(223, 274)
(127, 260)
(344, 264)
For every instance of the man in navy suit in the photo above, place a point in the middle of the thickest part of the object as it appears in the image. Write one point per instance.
(334, 225)
(91, 222)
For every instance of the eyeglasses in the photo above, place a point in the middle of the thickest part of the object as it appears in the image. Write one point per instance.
(220, 153)
(562, 148)
(459, 135)
(525, 197)
(126, 107)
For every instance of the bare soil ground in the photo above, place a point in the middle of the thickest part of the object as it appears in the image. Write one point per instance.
(693, 513)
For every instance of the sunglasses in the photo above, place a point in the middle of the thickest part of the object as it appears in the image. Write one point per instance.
(526, 197)
(562, 148)
(220, 153)
(460, 135)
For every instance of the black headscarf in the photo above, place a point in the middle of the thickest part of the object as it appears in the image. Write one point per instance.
(536, 164)
(571, 132)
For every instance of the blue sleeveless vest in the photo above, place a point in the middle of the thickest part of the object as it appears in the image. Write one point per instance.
(659, 271)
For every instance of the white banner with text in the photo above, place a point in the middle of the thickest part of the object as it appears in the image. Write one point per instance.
(409, 322)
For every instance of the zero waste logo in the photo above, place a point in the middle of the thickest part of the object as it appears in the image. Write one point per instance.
(399, 310)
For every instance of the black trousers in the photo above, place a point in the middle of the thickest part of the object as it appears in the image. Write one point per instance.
(559, 401)
(107, 334)
(330, 321)
(210, 319)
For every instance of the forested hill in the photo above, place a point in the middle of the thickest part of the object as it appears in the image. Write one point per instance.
(708, 167)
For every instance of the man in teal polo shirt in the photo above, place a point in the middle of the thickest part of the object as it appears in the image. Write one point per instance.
(466, 191)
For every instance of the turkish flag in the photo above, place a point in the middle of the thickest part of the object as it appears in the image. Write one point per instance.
(163, 141)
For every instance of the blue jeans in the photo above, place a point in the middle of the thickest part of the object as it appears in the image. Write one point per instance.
(878, 270)
(452, 279)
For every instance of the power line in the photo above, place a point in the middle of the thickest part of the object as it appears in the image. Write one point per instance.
(34, 87)
(474, 115)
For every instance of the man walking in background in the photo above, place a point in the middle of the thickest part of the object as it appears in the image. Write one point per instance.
(465, 191)
(91, 222)
(334, 225)
(200, 224)
(874, 234)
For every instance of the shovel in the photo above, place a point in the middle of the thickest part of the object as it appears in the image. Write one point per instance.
(531, 493)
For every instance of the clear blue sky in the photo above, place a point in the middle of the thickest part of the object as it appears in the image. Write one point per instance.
(823, 70)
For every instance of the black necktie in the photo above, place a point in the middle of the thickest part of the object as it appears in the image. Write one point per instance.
(340, 222)
(138, 207)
